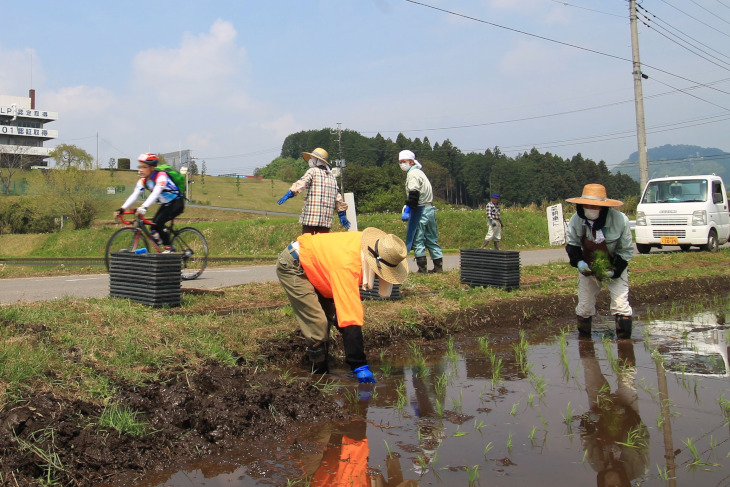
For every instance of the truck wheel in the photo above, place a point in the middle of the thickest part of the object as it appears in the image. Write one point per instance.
(643, 248)
(712, 243)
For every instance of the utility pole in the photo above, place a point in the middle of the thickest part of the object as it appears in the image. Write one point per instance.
(638, 99)
(340, 161)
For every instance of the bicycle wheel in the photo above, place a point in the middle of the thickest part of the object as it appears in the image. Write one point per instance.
(191, 243)
(124, 240)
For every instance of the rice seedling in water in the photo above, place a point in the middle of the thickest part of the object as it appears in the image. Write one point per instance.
(483, 342)
(509, 441)
(473, 474)
(487, 448)
(402, 399)
(457, 402)
(450, 349)
(439, 409)
(459, 432)
(386, 367)
(532, 433)
(440, 384)
(635, 438)
(387, 449)
(479, 425)
(513, 411)
(496, 371)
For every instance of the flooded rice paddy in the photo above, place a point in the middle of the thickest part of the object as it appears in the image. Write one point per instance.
(545, 410)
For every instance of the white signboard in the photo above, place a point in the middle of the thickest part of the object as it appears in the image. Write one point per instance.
(351, 214)
(556, 225)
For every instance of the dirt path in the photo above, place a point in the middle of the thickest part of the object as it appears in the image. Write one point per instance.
(192, 416)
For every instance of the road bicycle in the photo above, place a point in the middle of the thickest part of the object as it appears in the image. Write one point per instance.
(187, 241)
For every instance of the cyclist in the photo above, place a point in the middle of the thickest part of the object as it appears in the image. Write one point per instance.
(163, 190)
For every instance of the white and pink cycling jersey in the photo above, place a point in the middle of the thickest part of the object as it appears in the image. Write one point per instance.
(162, 190)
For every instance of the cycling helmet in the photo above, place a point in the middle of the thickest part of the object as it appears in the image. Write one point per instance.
(148, 158)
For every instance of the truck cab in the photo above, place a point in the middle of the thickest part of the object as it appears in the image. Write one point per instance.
(685, 211)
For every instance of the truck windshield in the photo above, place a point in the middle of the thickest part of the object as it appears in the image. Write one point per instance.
(675, 191)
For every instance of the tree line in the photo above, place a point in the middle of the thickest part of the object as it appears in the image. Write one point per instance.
(373, 175)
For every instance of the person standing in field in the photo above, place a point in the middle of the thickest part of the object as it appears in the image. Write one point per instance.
(600, 245)
(323, 196)
(494, 219)
(419, 212)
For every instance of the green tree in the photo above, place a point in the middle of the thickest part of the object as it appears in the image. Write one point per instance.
(67, 156)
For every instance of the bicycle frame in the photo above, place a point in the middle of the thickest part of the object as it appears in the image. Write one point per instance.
(141, 224)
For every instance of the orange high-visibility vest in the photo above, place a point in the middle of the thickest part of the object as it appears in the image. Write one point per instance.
(333, 264)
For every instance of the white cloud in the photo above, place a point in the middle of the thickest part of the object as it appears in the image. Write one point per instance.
(21, 71)
(206, 68)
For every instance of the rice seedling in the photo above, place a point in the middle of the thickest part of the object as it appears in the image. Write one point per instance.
(478, 425)
(457, 402)
(509, 441)
(531, 436)
(496, 371)
(450, 349)
(538, 383)
(635, 438)
(483, 342)
(439, 409)
(388, 451)
(513, 411)
(440, 384)
(530, 399)
(459, 432)
(473, 474)
(487, 448)
(402, 400)
(418, 358)
(386, 367)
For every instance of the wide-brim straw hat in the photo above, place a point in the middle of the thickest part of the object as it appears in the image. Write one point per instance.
(386, 254)
(594, 194)
(317, 153)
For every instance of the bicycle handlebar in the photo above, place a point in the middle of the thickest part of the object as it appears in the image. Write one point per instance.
(132, 212)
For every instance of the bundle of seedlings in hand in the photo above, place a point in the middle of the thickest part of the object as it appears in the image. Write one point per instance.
(601, 264)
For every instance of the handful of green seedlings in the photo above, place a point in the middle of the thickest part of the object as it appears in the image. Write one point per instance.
(601, 264)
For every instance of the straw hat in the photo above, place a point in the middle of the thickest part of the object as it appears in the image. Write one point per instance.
(594, 194)
(386, 255)
(317, 153)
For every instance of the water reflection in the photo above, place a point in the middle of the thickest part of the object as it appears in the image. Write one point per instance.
(614, 438)
(575, 413)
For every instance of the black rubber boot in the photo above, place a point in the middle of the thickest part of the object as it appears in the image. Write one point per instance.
(422, 264)
(584, 326)
(318, 356)
(496, 245)
(623, 327)
(438, 265)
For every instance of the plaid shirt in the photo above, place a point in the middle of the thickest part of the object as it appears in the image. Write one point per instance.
(322, 200)
(493, 212)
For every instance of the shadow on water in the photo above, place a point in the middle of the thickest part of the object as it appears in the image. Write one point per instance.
(555, 411)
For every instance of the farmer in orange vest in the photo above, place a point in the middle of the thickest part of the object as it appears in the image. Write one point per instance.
(322, 275)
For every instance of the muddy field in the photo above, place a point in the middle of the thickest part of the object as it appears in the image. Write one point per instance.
(45, 439)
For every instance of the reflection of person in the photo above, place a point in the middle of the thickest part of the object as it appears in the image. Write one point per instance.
(345, 459)
(494, 233)
(612, 434)
(322, 274)
(162, 190)
(422, 231)
(597, 228)
(323, 197)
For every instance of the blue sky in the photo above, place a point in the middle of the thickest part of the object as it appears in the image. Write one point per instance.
(230, 79)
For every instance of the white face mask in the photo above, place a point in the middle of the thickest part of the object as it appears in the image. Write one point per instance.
(405, 166)
(591, 214)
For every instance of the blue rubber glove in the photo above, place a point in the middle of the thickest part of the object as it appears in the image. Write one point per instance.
(406, 213)
(364, 375)
(494, 224)
(343, 219)
(584, 269)
(288, 195)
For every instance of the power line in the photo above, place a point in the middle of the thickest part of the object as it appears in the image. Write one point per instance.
(554, 40)
(693, 18)
(655, 18)
(709, 11)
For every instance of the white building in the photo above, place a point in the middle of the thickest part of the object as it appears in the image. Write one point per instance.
(22, 131)
(178, 159)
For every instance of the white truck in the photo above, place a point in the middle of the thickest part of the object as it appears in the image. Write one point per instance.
(685, 211)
